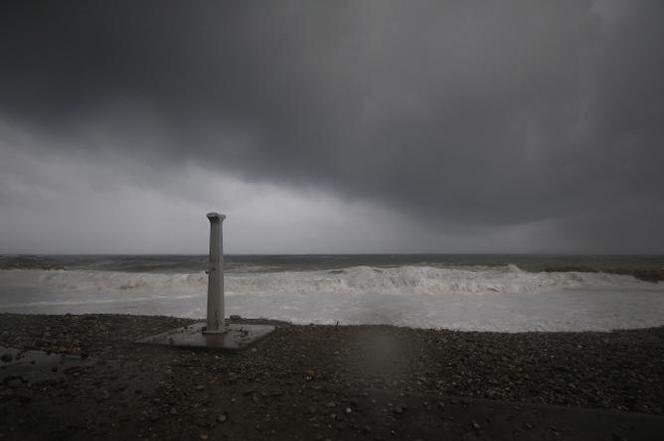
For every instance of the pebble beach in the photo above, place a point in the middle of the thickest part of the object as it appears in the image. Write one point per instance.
(320, 382)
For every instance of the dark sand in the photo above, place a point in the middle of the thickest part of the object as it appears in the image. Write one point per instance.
(326, 382)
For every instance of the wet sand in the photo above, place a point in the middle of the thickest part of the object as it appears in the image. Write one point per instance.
(327, 382)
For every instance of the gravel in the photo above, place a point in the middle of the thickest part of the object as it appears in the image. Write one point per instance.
(324, 380)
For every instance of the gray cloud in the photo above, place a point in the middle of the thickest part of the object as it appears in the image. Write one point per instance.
(462, 116)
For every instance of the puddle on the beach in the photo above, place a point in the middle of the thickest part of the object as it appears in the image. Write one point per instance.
(19, 365)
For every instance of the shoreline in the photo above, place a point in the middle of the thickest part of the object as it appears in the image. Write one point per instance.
(297, 373)
(277, 322)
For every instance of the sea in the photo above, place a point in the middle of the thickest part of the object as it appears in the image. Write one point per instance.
(505, 293)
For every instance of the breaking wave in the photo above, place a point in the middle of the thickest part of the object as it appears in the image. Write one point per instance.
(467, 298)
(422, 280)
(358, 280)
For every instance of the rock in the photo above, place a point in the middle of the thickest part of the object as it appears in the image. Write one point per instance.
(221, 418)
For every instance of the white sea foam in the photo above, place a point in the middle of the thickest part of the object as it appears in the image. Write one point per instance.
(470, 298)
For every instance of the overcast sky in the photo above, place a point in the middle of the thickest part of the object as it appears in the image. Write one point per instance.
(332, 126)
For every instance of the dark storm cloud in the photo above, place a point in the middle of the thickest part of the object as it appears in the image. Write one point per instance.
(460, 113)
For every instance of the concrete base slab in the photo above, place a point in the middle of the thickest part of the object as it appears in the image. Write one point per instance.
(236, 338)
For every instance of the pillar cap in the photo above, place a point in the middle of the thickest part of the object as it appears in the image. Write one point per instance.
(216, 216)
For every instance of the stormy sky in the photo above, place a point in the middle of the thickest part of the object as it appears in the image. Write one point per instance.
(332, 126)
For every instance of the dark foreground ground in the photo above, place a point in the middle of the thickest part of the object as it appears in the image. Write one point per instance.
(325, 382)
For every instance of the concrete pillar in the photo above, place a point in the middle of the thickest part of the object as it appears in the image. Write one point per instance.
(215, 304)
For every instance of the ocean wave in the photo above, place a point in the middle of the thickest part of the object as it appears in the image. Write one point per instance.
(470, 298)
(357, 280)
(425, 280)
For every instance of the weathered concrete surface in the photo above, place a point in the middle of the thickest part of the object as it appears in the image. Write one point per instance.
(215, 301)
(237, 337)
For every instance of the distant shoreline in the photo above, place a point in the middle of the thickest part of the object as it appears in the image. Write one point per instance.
(646, 274)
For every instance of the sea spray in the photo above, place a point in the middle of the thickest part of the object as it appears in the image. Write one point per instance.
(501, 298)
